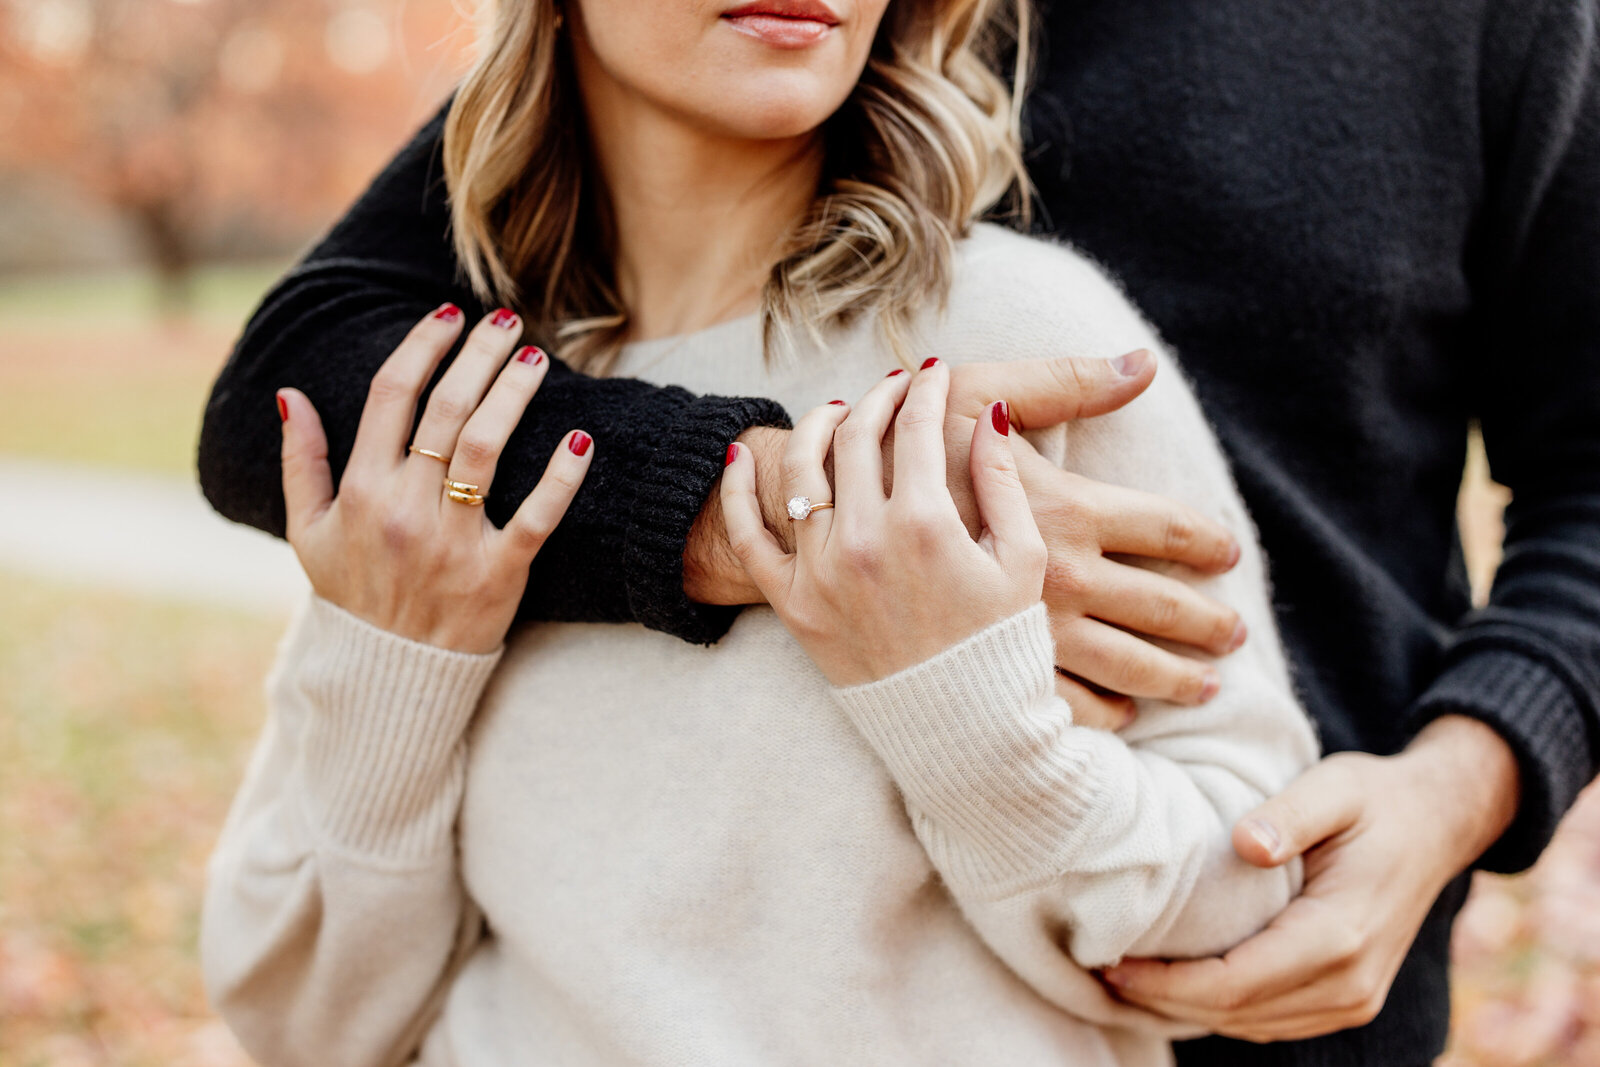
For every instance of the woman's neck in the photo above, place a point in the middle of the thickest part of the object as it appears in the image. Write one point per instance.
(700, 219)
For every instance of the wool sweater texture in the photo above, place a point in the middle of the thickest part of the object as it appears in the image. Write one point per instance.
(699, 856)
(1362, 225)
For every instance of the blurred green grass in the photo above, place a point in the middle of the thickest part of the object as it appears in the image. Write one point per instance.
(221, 293)
(91, 372)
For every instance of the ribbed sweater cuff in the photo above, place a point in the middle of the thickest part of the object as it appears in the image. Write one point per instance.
(1535, 710)
(677, 481)
(972, 738)
(383, 744)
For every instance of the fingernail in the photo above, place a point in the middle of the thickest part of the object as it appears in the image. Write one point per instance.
(503, 318)
(839, 402)
(1129, 713)
(733, 454)
(1115, 977)
(1265, 835)
(1131, 364)
(1211, 686)
(283, 409)
(1240, 634)
(1001, 416)
(447, 313)
(579, 443)
(930, 361)
(530, 354)
(897, 370)
(1233, 555)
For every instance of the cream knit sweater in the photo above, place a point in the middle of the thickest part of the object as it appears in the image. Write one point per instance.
(632, 850)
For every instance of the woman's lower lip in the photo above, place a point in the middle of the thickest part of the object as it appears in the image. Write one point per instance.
(780, 32)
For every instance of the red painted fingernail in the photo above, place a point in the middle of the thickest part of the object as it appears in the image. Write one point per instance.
(503, 318)
(733, 454)
(930, 361)
(839, 402)
(448, 313)
(580, 443)
(897, 370)
(530, 354)
(283, 409)
(1001, 416)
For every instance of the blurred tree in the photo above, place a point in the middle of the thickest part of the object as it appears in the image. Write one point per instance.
(218, 127)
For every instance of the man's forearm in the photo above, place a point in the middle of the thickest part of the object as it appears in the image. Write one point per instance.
(712, 574)
(1474, 773)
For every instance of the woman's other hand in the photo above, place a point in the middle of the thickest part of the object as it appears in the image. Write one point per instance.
(392, 547)
(882, 581)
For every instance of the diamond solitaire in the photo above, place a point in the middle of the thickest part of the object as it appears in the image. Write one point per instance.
(801, 507)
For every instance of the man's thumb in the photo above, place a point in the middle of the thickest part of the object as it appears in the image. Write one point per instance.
(1314, 807)
(1044, 392)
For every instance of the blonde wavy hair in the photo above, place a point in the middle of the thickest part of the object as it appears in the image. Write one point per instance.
(928, 141)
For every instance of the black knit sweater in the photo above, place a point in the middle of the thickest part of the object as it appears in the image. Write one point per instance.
(1361, 223)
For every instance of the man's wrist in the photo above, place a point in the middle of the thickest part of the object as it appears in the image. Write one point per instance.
(712, 574)
(1474, 774)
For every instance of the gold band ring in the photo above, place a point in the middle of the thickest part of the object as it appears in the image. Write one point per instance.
(472, 500)
(460, 487)
(430, 453)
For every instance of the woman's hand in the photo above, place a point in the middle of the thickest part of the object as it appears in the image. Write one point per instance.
(393, 548)
(881, 582)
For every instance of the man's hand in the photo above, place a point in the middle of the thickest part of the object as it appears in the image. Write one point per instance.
(1382, 837)
(1098, 605)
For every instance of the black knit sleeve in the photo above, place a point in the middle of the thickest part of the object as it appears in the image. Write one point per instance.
(328, 324)
(1529, 663)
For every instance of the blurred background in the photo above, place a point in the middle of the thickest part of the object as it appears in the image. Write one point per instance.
(162, 162)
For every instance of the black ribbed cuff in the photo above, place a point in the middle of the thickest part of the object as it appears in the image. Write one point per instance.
(1537, 713)
(676, 484)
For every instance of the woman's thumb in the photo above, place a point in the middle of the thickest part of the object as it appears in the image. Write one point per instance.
(307, 481)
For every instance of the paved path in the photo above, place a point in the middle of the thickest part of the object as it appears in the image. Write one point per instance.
(137, 532)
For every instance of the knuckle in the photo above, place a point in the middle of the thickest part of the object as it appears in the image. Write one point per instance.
(565, 479)
(1179, 535)
(354, 492)
(391, 385)
(1068, 377)
(451, 407)
(1133, 668)
(1165, 611)
(916, 419)
(920, 523)
(1034, 556)
(475, 451)
(1230, 999)
(793, 470)
(1347, 948)
(399, 530)
(1063, 575)
(854, 433)
(859, 553)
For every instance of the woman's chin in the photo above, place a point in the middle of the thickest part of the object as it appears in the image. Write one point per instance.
(765, 112)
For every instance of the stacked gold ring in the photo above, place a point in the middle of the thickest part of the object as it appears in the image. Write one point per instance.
(464, 493)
